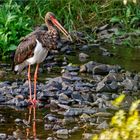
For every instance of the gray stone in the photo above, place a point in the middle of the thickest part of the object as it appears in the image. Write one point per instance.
(62, 132)
(103, 125)
(3, 136)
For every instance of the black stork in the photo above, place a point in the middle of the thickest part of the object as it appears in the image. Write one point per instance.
(34, 48)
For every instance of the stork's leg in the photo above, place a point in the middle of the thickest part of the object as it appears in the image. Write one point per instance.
(29, 81)
(35, 78)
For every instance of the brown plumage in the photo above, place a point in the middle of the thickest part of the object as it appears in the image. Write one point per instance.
(25, 49)
(34, 48)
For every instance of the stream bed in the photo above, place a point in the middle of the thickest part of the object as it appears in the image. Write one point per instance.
(31, 122)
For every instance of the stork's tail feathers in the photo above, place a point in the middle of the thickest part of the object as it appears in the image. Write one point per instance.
(18, 68)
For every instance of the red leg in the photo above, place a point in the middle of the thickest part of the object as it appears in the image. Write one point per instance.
(29, 81)
(35, 78)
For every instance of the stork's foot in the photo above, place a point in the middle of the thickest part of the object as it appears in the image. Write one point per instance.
(33, 101)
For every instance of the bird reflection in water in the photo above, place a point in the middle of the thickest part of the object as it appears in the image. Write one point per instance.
(32, 115)
(28, 124)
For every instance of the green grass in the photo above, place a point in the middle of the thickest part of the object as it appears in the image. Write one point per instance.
(18, 17)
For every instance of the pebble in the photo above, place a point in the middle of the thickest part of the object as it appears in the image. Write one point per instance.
(62, 132)
(3, 136)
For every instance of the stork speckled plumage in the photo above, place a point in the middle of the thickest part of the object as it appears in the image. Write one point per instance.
(34, 48)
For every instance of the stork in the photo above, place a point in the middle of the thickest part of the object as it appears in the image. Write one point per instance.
(34, 48)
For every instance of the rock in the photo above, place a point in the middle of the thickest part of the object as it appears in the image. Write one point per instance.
(50, 118)
(2, 74)
(56, 127)
(83, 57)
(130, 84)
(102, 114)
(54, 85)
(90, 65)
(87, 136)
(84, 117)
(71, 68)
(62, 132)
(63, 96)
(104, 69)
(79, 111)
(18, 102)
(48, 126)
(100, 69)
(83, 68)
(73, 112)
(68, 120)
(3, 136)
(70, 77)
(113, 86)
(77, 96)
(101, 86)
(84, 48)
(67, 49)
(103, 125)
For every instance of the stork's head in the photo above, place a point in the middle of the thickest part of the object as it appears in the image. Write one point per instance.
(50, 17)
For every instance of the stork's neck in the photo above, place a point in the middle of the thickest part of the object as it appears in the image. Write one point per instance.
(49, 25)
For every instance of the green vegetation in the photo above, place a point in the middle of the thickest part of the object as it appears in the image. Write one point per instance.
(14, 23)
(124, 125)
(18, 17)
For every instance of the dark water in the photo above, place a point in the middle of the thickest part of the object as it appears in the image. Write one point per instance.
(128, 58)
(32, 126)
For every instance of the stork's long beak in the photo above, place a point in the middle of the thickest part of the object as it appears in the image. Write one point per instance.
(61, 28)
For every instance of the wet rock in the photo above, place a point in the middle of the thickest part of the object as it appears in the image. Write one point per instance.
(103, 125)
(3, 136)
(51, 138)
(53, 86)
(62, 132)
(50, 118)
(2, 99)
(2, 74)
(77, 96)
(71, 68)
(68, 120)
(70, 77)
(48, 126)
(79, 111)
(67, 49)
(84, 117)
(84, 48)
(113, 86)
(101, 86)
(2, 119)
(130, 84)
(87, 136)
(83, 68)
(18, 102)
(56, 127)
(102, 114)
(83, 57)
(73, 112)
(18, 121)
(100, 69)
(103, 69)
(90, 65)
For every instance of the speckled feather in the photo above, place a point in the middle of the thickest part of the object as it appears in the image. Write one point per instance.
(48, 39)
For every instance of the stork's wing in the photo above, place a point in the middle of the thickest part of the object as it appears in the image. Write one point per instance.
(25, 49)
